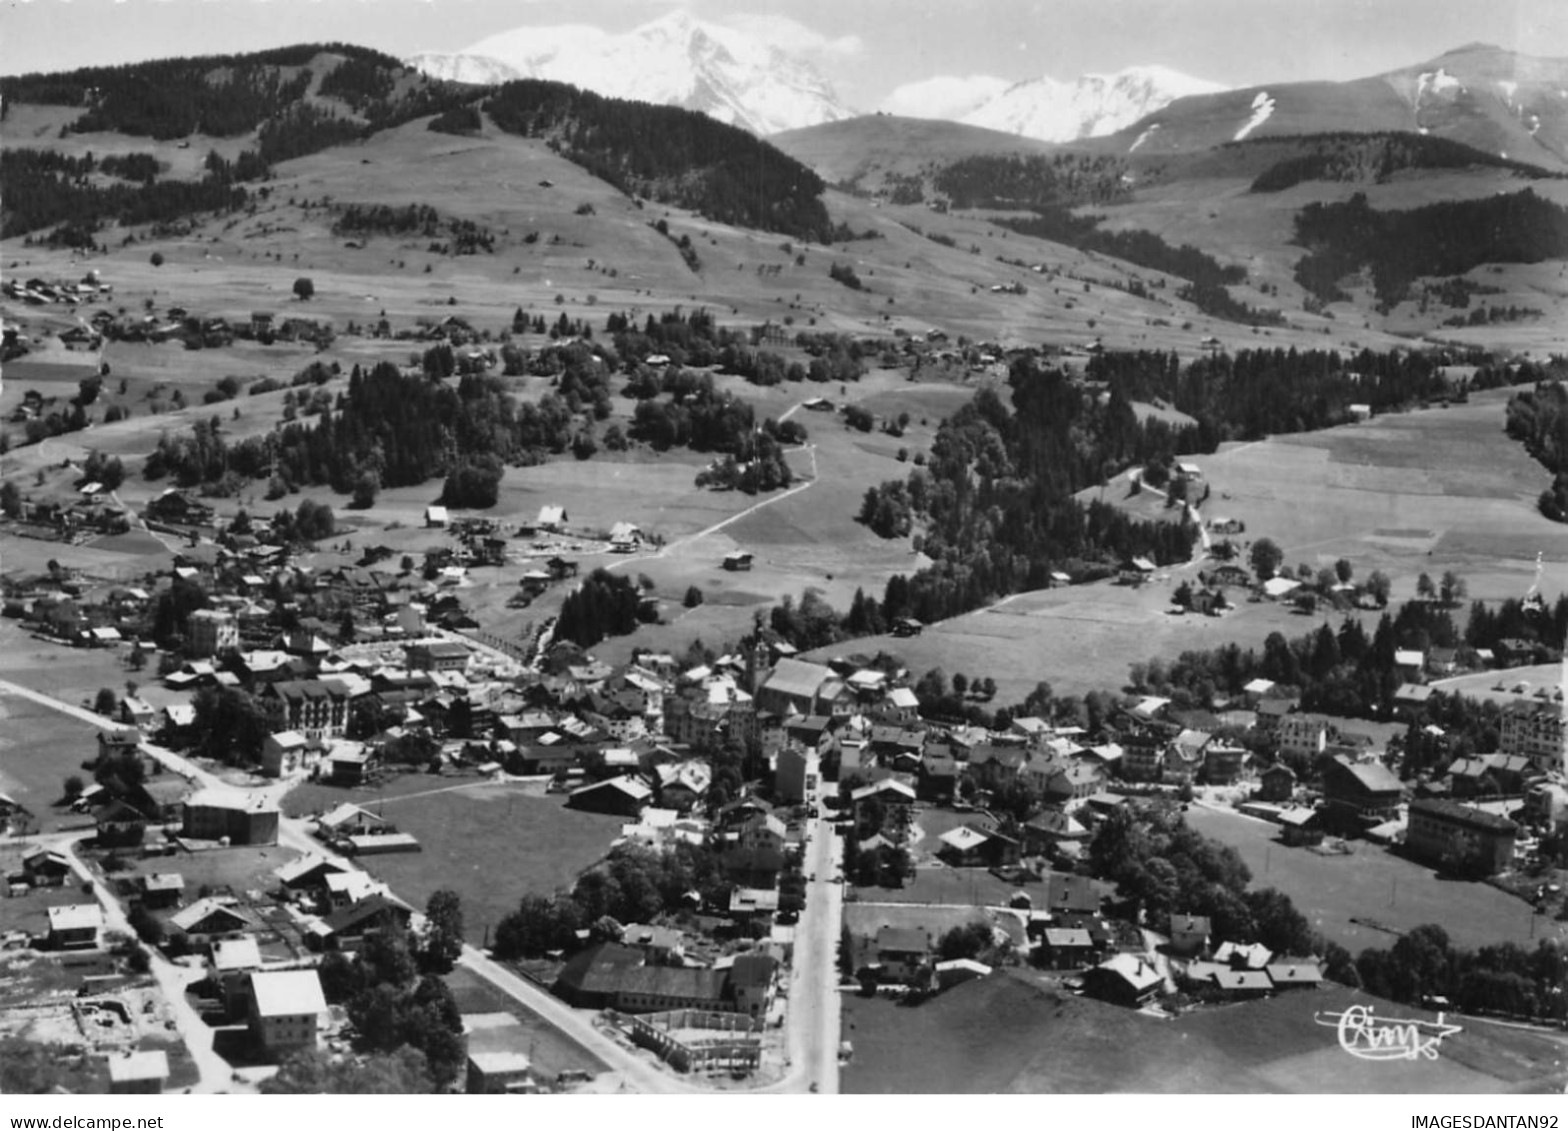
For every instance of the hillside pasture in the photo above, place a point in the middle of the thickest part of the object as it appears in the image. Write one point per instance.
(1409, 493)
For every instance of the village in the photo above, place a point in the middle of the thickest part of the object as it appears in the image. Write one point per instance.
(948, 849)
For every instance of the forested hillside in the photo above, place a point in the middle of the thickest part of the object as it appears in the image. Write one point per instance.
(1011, 181)
(1207, 278)
(670, 155)
(1370, 157)
(1448, 238)
(1538, 418)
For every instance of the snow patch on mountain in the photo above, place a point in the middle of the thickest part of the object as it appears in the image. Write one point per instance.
(1262, 110)
(675, 60)
(1509, 89)
(1143, 137)
(1439, 84)
(1091, 106)
(481, 70)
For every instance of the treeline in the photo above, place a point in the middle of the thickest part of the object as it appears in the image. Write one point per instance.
(1353, 674)
(1035, 181)
(1165, 867)
(1447, 238)
(1501, 978)
(1257, 393)
(1538, 418)
(215, 96)
(1206, 277)
(995, 502)
(1370, 157)
(669, 155)
(40, 189)
(465, 237)
(463, 121)
(633, 885)
(605, 604)
(395, 429)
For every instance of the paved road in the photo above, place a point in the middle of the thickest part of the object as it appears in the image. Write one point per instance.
(813, 1016)
(216, 1074)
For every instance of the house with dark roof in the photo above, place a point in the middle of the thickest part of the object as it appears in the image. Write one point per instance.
(612, 976)
(621, 796)
(1358, 795)
(1461, 839)
(1189, 934)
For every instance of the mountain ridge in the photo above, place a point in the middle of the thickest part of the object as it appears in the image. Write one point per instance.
(675, 60)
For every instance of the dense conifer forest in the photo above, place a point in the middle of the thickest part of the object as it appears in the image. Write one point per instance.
(1448, 238)
(670, 155)
(1538, 418)
(1061, 180)
(1373, 157)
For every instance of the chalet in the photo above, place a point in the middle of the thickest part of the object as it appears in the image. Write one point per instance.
(46, 868)
(138, 1073)
(1047, 830)
(551, 518)
(211, 917)
(907, 626)
(1223, 763)
(347, 765)
(285, 754)
(1124, 979)
(119, 824)
(162, 889)
(1189, 934)
(902, 955)
(992, 766)
(1271, 713)
(738, 560)
(176, 506)
(348, 927)
(75, 926)
(1359, 795)
(1301, 827)
(622, 796)
(1066, 948)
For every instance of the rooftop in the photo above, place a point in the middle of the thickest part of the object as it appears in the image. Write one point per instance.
(287, 993)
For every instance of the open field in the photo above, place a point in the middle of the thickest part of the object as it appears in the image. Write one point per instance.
(867, 918)
(1374, 884)
(492, 844)
(39, 749)
(1079, 638)
(1410, 493)
(937, 883)
(1014, 1032)
(1418, 492)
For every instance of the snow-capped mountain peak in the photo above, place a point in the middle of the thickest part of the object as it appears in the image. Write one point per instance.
(676, 59)
(1092, 106)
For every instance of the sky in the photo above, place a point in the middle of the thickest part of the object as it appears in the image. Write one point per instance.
(868, 49)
